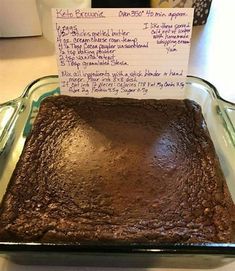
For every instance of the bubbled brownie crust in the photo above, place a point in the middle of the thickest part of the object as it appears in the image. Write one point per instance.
(117, 170)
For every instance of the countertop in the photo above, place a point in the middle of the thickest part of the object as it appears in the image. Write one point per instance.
(212, 57)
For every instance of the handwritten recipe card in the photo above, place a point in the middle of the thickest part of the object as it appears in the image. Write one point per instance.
(135, 53)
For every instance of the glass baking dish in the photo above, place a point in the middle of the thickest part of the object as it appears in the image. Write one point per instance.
(16, 119)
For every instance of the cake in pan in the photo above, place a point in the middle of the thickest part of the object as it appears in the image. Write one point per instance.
(117, 170)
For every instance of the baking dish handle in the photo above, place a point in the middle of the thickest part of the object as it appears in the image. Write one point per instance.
(8, 115)
(228, 112)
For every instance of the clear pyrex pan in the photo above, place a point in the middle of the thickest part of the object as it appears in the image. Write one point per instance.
(16, 119)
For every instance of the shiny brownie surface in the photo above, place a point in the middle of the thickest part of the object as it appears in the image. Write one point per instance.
(117, 170)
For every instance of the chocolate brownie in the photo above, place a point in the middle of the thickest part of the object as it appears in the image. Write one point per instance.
(117, 170)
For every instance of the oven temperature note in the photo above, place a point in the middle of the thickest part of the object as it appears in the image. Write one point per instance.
(135, 53)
